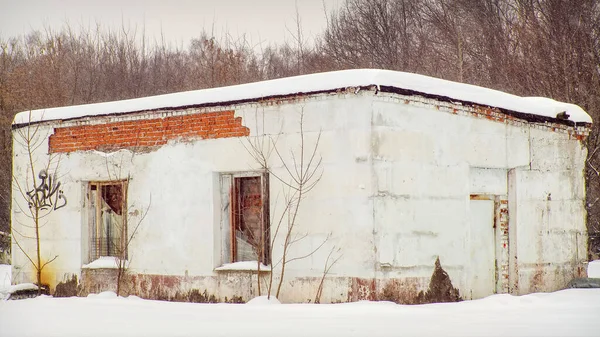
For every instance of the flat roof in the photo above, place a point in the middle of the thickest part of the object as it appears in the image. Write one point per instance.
(545, 108)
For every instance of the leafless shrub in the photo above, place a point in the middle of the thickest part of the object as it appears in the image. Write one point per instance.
(302, 172)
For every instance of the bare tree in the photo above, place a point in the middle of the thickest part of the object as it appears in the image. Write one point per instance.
(302, 171)
(593, 195)
(127, 227)
(42, 192)
(329, 263)
(376, 34)
(123, 257)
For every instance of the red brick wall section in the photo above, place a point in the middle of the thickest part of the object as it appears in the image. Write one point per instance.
(503, 256)
(146, 133)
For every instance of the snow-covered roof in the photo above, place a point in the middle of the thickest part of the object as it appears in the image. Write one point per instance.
(320, 82)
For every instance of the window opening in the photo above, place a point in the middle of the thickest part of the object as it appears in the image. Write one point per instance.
(107, 219)
(245, 218)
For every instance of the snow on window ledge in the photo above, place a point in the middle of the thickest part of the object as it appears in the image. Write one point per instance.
(251, 266)
(105, 262)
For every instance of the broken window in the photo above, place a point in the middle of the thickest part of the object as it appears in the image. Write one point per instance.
(245, 217)
(107, 219)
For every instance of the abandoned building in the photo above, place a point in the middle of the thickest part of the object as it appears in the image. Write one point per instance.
(403, 174)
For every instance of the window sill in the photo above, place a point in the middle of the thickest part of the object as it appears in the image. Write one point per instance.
(244, 266)
(105, 262)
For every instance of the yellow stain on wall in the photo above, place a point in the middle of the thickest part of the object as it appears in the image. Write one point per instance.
(48, 274)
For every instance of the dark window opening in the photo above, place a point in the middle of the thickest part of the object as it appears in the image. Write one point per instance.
(246, 214)
(107, 221)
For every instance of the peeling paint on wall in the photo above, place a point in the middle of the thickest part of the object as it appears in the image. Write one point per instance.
(68, 288)
(502, 256)
(401, 290)
(362, 290)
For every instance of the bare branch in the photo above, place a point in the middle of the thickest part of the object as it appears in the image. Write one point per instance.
(49, 261)
(24, 252)
(312, 252)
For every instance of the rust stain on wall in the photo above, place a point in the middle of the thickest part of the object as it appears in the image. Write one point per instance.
(537, 280)
(502, 260)
(155, 287)
(362, 289)
(211, 289)
(97, 281)
(407, 290)
(402, 291)
(48, 274)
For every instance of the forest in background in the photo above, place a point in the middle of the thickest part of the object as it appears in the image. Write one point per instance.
(547, 48)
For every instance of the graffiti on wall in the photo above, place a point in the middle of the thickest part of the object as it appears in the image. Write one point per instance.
(47, 195)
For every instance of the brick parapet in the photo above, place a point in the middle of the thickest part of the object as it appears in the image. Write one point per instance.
(146, 132)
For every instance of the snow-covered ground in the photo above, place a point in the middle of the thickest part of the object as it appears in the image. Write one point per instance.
(593, 269)
(573, 312)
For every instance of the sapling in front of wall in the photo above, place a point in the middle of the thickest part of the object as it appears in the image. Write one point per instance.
(123, 258)
(113, 228)
(38, 186)
(302, 171)
(332, 258)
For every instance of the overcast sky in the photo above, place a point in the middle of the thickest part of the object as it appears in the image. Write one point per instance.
(260, 20)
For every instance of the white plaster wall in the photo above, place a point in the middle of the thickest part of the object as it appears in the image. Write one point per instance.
(337, 210)
(178, 185)
(422, 190)
(548, 214)
(488, 181)
(427, 161)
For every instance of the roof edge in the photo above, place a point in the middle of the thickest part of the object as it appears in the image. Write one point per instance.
(532, 118)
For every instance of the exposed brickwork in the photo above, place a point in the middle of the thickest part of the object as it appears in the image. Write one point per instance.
(579, 132)
(146, 133)
(502, 258)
